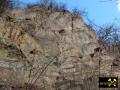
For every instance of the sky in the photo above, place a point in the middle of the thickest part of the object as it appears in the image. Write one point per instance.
(101, 12)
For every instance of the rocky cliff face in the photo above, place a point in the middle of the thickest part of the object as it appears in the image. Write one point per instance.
(55, 51)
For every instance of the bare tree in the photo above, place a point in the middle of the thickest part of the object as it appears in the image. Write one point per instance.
(109, 34)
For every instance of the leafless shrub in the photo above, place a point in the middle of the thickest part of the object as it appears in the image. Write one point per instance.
(51, 5)
(5, 4)
(79, 12)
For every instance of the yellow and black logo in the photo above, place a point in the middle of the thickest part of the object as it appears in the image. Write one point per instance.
(108, 82)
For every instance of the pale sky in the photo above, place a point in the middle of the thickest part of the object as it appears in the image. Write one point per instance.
(118, 5)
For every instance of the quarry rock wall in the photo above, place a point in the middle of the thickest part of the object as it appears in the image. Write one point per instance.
(56, 51)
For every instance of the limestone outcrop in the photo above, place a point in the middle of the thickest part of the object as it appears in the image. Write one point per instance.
(55, 51)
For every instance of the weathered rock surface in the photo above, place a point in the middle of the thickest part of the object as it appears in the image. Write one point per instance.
(55, 52)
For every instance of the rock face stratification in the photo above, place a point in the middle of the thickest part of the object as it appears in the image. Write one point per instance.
(55, 51)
